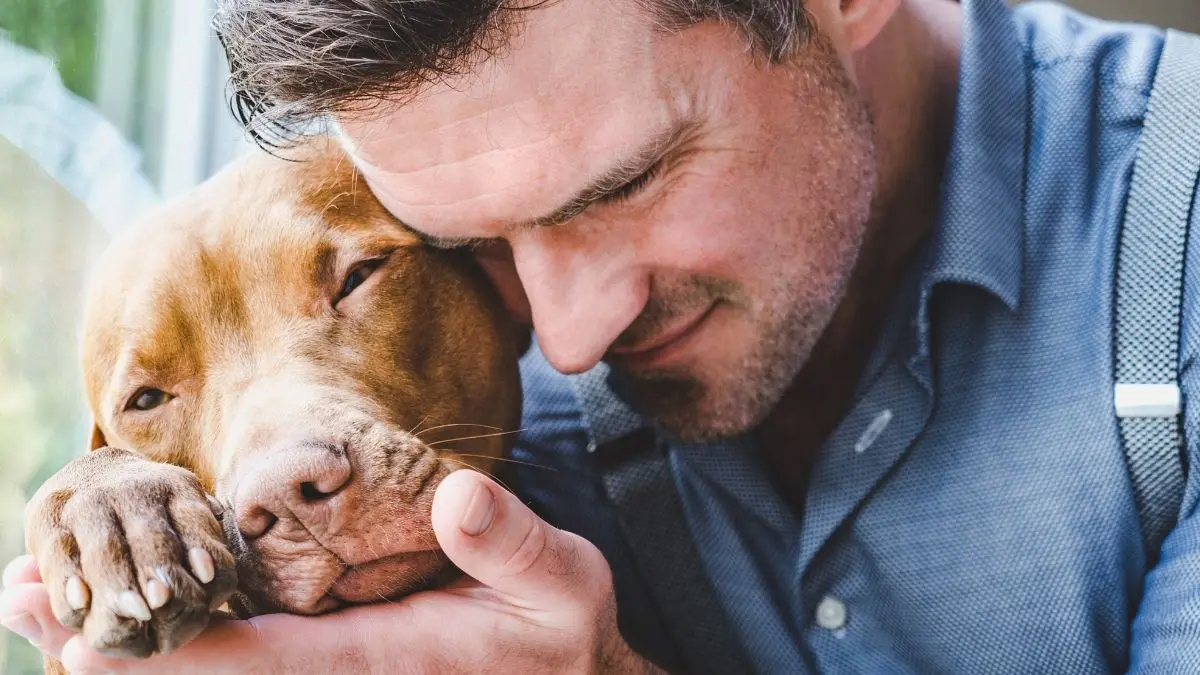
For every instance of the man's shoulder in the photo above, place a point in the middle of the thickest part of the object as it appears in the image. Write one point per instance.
(1088, 84)
(1114, 53)
(546, 390)
(552, 417)
(574, 412)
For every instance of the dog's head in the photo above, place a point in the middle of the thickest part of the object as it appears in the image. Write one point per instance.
(280, 334)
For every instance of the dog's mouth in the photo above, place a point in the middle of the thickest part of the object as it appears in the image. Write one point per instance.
(386, 579)
(390, 577)
(383, 551)
(321, 582)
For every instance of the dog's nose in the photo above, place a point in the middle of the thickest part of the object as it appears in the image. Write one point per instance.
(293, 482)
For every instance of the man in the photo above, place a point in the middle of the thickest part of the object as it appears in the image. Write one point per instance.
(850, 267)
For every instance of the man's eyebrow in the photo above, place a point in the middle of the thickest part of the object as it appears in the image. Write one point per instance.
(604, 185)
(618, 176)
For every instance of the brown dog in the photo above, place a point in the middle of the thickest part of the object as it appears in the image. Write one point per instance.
(288, 376)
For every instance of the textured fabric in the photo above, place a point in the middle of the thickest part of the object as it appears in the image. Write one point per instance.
(972, 513)
(640, 484)
(1150, 261)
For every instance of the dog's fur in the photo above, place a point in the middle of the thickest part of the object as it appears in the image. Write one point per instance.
(227, 300)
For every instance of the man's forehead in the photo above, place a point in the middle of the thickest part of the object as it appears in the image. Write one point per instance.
(577, 86)
(567, 50)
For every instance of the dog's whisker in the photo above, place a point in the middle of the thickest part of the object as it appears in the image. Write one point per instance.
(471, 438)
(504, 459)
(489, 474)
(485, 472)
(413, 431)
(461, 424)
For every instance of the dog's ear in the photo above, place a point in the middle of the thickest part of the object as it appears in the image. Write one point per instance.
(98, 441)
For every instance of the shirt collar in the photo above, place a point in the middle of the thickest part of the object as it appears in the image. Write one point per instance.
(606, 416)
(979, 237)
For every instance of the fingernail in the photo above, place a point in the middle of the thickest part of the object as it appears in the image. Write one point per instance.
(157, 593)
(202, 565)
(24, 625)
(480, 511)
(131, 604)
(78, 594)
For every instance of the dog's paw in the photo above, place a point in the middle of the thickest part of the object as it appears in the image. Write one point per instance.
(131, 552)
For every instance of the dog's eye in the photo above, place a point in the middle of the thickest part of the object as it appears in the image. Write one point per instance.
(147, 398)
(358, 274)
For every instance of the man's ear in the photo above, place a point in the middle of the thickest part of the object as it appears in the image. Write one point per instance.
(862, 20)
(98, 441)
(851, 25)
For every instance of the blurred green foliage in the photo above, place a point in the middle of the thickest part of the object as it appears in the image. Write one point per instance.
(65, 30)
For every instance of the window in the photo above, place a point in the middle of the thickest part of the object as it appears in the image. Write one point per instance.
(106, 107)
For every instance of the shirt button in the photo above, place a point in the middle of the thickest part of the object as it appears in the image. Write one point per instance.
(831, 613)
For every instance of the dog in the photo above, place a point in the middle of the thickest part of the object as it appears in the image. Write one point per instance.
(280, 375)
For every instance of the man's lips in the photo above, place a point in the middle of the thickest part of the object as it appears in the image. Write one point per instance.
(661, 347)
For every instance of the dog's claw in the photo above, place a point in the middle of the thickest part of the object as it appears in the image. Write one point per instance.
(131, 605)
(202, 565)
(215, 505)
(133, 560)
(78, 594)
(157, 593)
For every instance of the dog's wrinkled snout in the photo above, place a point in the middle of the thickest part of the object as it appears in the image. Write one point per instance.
(292, 482)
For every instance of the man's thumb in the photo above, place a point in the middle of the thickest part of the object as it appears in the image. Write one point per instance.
(494, 538)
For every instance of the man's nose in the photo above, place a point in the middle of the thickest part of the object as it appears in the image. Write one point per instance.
(296, 481)
(580, 298)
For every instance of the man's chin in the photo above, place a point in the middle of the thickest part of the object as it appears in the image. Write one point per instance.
(690, 411)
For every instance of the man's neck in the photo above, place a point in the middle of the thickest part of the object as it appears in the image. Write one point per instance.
(913, 100)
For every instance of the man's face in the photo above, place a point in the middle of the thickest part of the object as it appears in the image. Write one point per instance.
(667, 203)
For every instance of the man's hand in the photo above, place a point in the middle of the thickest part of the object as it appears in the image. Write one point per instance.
(540, 600)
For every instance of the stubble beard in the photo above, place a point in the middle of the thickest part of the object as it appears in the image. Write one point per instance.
(722, 400)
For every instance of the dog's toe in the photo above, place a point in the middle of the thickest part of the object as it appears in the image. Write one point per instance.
(134, 558)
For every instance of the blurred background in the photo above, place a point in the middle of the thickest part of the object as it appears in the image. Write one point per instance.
(106, 107)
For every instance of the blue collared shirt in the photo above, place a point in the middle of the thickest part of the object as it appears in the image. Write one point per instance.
(972, 513)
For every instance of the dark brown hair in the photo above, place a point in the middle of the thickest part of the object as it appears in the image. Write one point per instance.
(293, 61)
